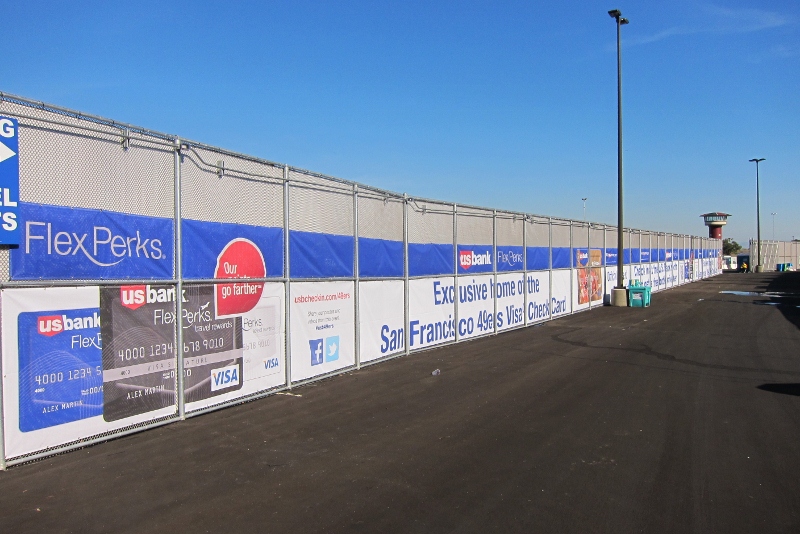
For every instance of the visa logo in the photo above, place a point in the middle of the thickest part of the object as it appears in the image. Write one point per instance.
(467, 258)
(271, 363)
(134, 297)
(224, 377)
(50, 325)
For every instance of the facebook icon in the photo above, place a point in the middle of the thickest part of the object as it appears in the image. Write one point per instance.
(316, 351)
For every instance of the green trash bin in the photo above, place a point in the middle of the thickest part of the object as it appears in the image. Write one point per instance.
(639, 297)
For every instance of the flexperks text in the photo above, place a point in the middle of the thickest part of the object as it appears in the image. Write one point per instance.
(100, 246)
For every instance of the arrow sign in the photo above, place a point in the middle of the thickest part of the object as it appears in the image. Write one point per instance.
(6, 152)
(9, 181)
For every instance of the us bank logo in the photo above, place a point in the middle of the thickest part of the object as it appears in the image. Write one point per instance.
(468, 258)
(326, 350)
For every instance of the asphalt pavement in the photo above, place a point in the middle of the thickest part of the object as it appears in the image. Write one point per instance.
(680, 417)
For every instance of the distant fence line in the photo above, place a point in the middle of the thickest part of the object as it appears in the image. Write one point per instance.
(774, 253)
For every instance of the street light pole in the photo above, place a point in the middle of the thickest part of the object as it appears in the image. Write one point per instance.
(584, 209)
(759, 267)
(620, 288)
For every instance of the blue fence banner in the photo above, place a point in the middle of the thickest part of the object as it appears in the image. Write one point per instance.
(203, 242)
(428, 259)
(611, 256)
(61, 243)
(9, 181)
(644, 255)
(538, 258)
(509, 258)
(380, 258)
(475, 259)
(317, 255)
(561, 257)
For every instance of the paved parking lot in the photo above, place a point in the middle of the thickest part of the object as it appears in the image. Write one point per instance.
(682, 417)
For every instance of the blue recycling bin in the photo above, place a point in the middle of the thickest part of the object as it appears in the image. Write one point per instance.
(639, 297)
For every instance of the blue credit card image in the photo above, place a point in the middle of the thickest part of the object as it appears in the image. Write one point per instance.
(60, 367)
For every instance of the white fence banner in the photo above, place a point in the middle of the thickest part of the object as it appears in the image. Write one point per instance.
(323, 328)
(475, 306)
(659, 276)
(382, 318)
(538, 288)
(561, 302)
(672, 274)
(510, 300)
(431, 311)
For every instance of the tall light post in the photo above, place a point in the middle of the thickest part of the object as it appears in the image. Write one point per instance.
(584, 208)
(773, 225)
(619, 296)
(759, 267)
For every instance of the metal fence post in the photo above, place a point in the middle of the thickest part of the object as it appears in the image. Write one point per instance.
(550, 261)
(604, 261)
(456, 337)
(178, 269)
(571, 269)
(494, 265)
(287, 274)
(406, 319)
(357, 278)
(525, 268)
(589, 261)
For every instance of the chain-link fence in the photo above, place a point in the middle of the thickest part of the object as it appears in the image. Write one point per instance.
(158, 278)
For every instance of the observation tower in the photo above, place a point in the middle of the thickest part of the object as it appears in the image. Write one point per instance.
(715, 221)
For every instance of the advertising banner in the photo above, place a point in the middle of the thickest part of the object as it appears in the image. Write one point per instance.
(475, 306)
(538, 287)
(475, 259)
(561, 302)
(323, 327)
(588, 278)
(382, 318)
(641, 273)
(78, 362)
(234, 352)
(509, 258)
(659, 276)
(60, 243)
(510, 290)
(672, 273)
(431, 309)
(204, 244)
(138, 333)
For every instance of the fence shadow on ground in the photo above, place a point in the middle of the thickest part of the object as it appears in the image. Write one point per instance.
(786, 287)
(783, 389)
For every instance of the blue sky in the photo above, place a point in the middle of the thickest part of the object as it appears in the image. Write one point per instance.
(509, 105)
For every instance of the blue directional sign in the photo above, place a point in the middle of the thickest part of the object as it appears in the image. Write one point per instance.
(9, 181)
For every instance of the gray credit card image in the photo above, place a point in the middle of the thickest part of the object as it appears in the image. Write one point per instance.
(138, 352)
